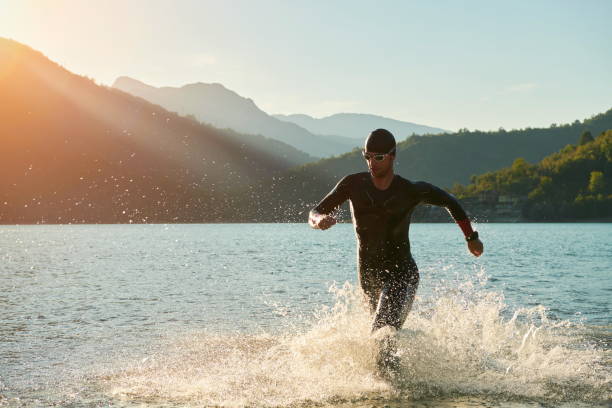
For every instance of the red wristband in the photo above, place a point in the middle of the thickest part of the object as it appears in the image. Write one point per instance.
(466, 227)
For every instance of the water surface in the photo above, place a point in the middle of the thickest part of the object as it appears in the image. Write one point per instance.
(269, 315)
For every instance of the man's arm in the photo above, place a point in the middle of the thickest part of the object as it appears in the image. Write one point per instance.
(430, 194)
(319, 217)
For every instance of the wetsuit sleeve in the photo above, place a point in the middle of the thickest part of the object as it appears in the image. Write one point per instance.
(430, 194)
(335, 198)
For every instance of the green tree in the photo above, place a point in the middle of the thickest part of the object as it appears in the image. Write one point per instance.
(606, 144)
(596, 183)
(520, 165)
(543, 188)
(585, 138)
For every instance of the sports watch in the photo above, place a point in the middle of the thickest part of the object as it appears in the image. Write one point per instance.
(472, 237)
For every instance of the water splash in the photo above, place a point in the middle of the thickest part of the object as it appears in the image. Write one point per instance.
(455, 343)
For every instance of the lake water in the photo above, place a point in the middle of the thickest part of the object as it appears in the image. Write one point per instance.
(270, 315)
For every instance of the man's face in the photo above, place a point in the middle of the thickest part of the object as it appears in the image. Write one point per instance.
(379, 168)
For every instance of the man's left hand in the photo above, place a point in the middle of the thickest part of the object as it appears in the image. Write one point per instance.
(476, 247)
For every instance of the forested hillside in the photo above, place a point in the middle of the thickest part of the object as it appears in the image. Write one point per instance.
(574, 183)
(73, 152)
(443, 160)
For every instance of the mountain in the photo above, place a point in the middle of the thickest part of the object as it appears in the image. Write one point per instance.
(73, 151)
(574, 183)
(221, 107)
(442, 160)
(358, 125)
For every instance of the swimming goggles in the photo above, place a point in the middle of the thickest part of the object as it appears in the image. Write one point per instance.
(376, 156)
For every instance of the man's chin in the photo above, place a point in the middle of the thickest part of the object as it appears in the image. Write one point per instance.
(378, 173)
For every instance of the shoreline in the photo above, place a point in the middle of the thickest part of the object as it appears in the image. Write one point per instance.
(476, 220)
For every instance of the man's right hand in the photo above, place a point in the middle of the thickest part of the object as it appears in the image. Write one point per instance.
(476, 247)
(321, 221)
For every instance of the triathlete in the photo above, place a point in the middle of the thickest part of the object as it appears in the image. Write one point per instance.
(381, 206)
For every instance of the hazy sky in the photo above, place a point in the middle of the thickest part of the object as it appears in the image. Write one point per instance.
(450, 64)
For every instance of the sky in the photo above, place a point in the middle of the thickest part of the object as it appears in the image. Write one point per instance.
(449, 64)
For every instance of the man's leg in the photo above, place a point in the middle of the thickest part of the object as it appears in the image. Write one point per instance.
(371, 288)
(395, 301)
(393, 306)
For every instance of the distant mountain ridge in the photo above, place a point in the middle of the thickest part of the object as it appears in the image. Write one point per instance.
(441, 159)
(358, 125)
(73, 151)
(224, 108)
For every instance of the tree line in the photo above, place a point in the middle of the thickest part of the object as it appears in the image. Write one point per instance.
(574, 183)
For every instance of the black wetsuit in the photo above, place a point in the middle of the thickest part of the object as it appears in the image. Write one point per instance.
(388, 274)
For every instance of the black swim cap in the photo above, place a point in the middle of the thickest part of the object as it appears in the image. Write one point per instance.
(380, 141)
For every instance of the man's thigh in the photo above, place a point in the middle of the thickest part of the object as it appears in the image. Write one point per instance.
(371, 290)
(394, 302)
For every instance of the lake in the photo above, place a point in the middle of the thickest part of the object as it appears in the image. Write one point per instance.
(271, 315)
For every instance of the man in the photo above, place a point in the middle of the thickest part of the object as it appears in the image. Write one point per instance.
(381, 206)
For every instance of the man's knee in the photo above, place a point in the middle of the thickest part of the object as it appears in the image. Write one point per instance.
(394, 305)
(388, 313)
